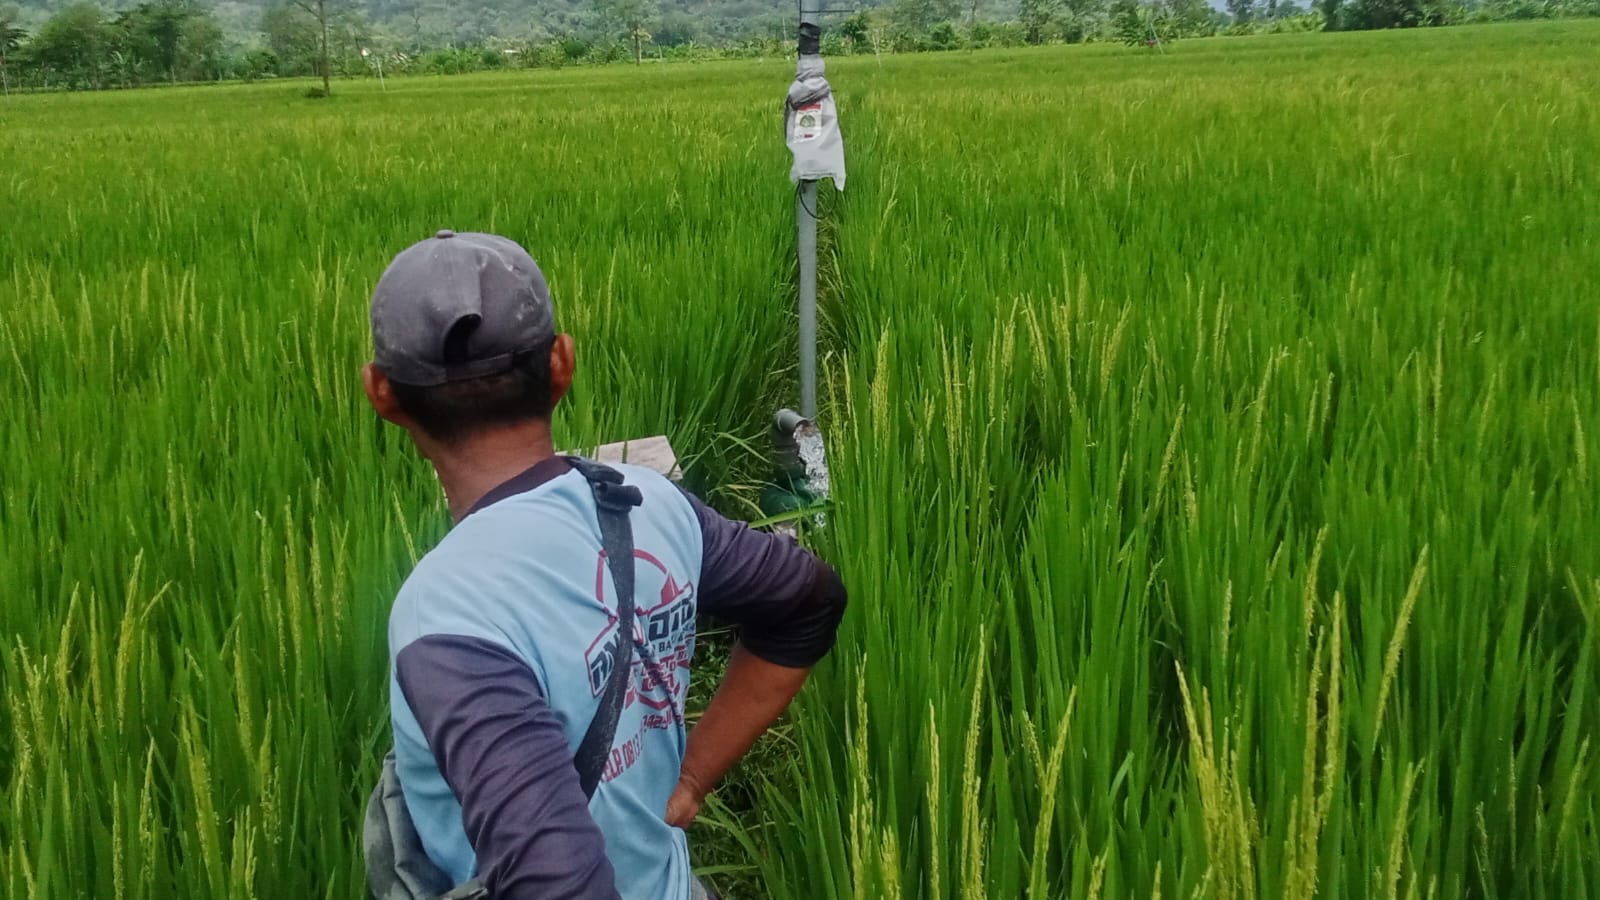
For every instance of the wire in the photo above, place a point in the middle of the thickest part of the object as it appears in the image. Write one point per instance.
(800, 196)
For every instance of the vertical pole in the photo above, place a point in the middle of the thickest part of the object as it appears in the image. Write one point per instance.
(806, 219)
(322, 16)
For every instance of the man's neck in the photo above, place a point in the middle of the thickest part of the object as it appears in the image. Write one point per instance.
(481, 462)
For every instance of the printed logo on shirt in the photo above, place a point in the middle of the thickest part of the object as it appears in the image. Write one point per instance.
(663, 635)
(623, 757)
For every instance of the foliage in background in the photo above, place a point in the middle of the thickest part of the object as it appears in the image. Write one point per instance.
(78, 49)
(12, 36)
(160, 40)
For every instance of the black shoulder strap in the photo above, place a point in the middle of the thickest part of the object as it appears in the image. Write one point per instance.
(613, 500)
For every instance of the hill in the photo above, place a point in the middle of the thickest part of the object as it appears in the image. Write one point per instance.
(434, 23)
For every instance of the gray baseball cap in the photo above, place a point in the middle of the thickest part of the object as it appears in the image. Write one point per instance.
(459, 306)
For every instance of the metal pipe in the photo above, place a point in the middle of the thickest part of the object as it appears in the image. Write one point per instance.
(806, 218)
(787, 421)
(808, 43)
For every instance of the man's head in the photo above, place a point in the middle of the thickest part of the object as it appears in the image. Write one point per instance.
(464, 340)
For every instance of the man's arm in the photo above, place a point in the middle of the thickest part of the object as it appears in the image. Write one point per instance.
(752, 695)
(788, 604)
(505, 757)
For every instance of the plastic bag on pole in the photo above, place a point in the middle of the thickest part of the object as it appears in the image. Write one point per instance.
(811, 125)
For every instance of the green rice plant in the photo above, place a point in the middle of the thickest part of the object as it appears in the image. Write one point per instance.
(1218, 363)
(204, 526)
(1210, 437)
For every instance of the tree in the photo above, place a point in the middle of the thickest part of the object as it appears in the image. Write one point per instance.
(153, 33)
(292, 38)
(1192, 18)
(1035, 17)
(165, 25)
(628, 19)
(318, 9)
(1081, 18)
(640, 37)
(11, 38)
(260, 63)
(1370, 14)
(201, 46)
(420, 24)
(1137, 24)
(73, 45)
(300, 33)
(676, 30)
(1243, 11)
(303, 33)
(918, 16)
(857, 29)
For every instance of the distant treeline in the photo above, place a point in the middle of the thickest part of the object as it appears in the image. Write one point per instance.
(82, 47)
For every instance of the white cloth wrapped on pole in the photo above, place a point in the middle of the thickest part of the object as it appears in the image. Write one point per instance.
(811, 125)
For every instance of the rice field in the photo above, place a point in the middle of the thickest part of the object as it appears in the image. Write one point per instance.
(1214, 440)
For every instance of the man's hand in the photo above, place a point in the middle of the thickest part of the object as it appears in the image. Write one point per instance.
(753, 694)
(684, 804)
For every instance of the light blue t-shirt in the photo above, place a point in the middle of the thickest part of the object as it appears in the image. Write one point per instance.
(524, 577)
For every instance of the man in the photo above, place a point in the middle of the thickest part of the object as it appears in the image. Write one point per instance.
(499, 639)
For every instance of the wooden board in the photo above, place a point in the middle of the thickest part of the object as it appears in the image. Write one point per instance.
(654, 453)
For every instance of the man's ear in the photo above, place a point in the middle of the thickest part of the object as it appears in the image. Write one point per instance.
(380, 393)
(563, 363)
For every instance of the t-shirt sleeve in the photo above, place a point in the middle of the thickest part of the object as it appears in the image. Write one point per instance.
(504, 755)
(786, 601)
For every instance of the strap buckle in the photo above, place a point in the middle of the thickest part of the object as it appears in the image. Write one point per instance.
(606, 483)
